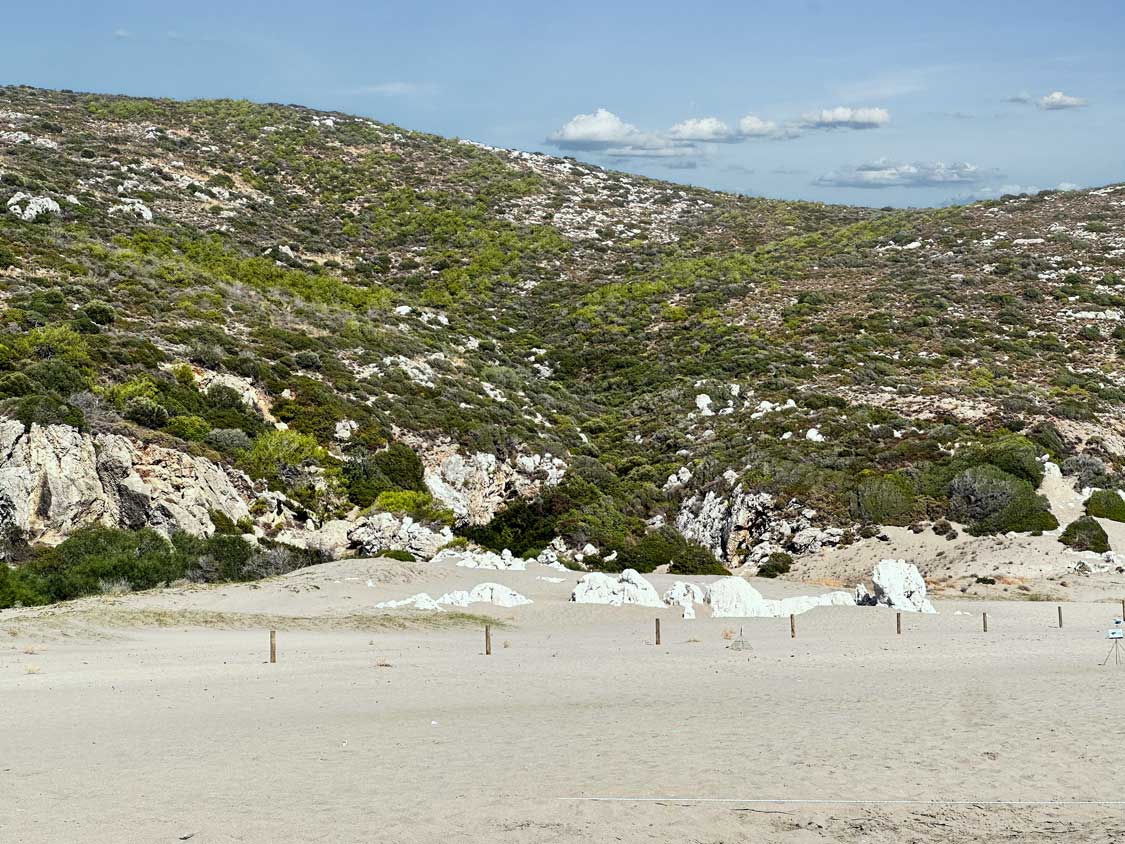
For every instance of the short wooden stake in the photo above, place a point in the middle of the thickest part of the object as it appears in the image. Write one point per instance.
(488, 640)
(984, 618)
(273, 646)
(898, 623)
(1060, 618)
(658, 631)
(792, 626)
(1123, 607)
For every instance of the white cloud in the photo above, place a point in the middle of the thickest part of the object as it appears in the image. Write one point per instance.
(752, 126)
(599, 130)
(1023, 98)
(843, 117)
(122, 34)
(1058, 100)
(396, 89)
(710, 129)
(889, 174)
(605, 132)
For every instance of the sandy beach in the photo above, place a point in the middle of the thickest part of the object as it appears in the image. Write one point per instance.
(157, 717)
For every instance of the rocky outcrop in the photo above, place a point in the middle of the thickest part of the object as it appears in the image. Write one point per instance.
(476, 486)
(742, 527)
(628, 588)
(58, 479)
(685, 595)
(385, 532)
(898, 584)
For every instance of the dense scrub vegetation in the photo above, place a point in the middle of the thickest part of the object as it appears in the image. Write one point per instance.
(355, 273)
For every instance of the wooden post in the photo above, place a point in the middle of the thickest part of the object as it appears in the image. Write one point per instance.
(898, 623)
(273, 646)
(658, 631)
(1123, 607)
(1060, 618)
(792, 626)
(984, 618)
(488, 640)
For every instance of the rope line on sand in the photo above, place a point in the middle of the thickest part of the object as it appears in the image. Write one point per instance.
(824, 802)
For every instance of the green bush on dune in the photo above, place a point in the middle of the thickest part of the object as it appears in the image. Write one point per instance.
(1106, 504)
(1085, 534)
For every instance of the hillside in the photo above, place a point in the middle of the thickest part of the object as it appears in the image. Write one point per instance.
(523, 349)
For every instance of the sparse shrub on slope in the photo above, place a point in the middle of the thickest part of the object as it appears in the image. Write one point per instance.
(666, 546)
(1106, 504)
(1085, 534)
(989, 500)
(1017, 456)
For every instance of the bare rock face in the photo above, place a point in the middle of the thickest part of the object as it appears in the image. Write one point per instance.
(384, 532)
(743, 528)
(476, 486)
(58, 479)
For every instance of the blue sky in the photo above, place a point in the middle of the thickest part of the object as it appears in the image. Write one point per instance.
(870, 103)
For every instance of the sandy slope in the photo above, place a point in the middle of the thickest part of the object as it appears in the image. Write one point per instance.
(118, 733)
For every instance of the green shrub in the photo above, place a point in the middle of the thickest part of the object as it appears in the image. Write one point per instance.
(191, 428)
(1085, 534)
(989, 501)
(15, 384)
(885, 500)
(778, 563)
(418, 505)
(401, 466)
(48, 410)
(1018, 457)
(233, 441)
(1106, 504)
(666, 546)
(145, 411)
(100, 312)
(282, 455)
(395, 554)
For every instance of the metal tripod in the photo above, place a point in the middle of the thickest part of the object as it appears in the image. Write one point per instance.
(1115, 652)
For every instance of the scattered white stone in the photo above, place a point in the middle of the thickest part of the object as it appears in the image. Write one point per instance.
(504, 561)
(29, 208)
(628, 588)
(421, 601)
(132, 207)
(814, 435)
(345, 428)
(703, 402)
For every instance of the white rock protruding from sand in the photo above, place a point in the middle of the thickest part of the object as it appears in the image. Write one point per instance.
(485, 593)
(421, 601)
(898, 584)
(733, 597)
(483, 560)
(628, 588)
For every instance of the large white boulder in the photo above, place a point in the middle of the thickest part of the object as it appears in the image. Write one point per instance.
(627, 588)
(898, 584)
(485, 593)
(733, 597)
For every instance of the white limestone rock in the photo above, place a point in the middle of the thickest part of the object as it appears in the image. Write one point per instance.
(29, 208)
(420, 601)
(386, 531)
(504, 561)
(627, 588)
(898, 584)
(485, 593)
(733, 597)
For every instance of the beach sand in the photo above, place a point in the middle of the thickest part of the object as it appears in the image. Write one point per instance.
(157, 717)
